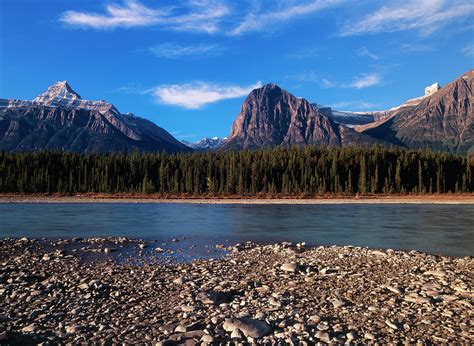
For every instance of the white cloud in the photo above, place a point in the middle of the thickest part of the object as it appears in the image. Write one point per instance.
(365, 81)
(199, 15)
(427, 16)
(197, 94)
(175, 51)
(363, 51)
(258, 21)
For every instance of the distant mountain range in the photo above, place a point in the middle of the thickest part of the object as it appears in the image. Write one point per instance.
(206, 143)
(59, 119)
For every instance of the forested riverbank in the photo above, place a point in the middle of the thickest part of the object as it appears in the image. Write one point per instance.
(307, 171)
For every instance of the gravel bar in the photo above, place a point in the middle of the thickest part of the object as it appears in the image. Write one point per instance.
(281, 293)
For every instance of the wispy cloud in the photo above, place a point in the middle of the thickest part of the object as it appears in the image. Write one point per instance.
(179, 134)
(365, 81)
(468, 49)
(130, 14)
(415, 47)
(197, 94)
(305, 53)
(362, 81)
(427, 16)
(195, 15)
(308, 76)
(255, 21)
(364, 51)
(176, 51)
(203, 15)
(357, 105)
(132, 89)
(326, 83)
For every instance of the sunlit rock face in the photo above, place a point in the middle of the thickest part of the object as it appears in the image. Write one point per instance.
(271, 116)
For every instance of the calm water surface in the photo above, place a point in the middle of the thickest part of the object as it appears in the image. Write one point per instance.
(440, 229)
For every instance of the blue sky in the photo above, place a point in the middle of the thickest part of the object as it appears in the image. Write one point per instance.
(188, 65)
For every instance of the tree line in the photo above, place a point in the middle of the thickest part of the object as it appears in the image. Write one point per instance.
(307, 171)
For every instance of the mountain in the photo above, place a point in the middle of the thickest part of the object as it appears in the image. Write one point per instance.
(271, 116)
(443, 119)
(60, 119)
(206, 144)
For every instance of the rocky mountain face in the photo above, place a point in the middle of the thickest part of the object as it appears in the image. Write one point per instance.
(271, 116)
(206, 144)
(60, 119)
(443, 119)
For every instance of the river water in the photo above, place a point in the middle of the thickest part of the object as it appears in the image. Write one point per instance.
(436, 229)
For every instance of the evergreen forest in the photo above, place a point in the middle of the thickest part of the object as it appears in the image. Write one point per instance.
(303, 171)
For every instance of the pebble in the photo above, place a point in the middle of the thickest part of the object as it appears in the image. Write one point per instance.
(337, 303)
(369, 336)
(438, 273)
(351, 336)
(391, 325)
(207, 339)
(289, 267)
(323, 336)
(236, 334)
(30, 328)
(178, 281)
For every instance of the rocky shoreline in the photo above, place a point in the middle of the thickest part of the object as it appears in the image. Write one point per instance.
(280, 293)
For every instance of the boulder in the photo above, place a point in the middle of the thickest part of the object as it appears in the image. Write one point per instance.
(249, 327)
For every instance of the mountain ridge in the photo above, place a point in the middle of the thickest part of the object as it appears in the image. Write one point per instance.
(60, 119)
(206, 143)
(443, 120)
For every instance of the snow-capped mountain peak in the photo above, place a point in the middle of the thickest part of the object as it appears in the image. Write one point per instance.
(61, 94)
(59, 90)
